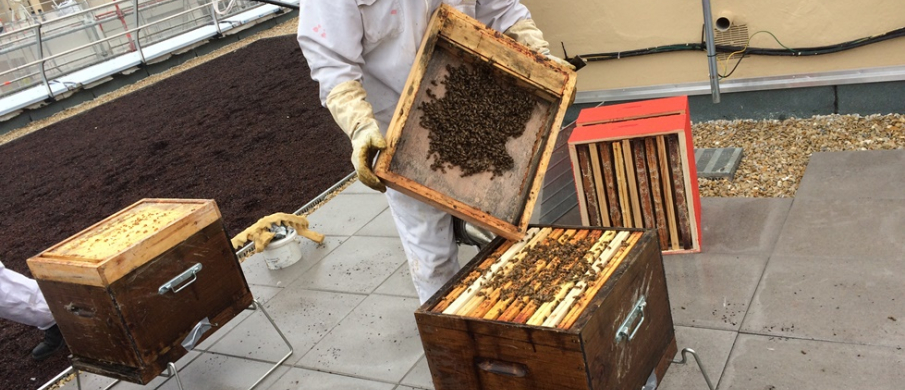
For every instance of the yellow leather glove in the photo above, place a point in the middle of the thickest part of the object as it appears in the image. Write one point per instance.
(261, 235)
(356, 117)
(526, 32)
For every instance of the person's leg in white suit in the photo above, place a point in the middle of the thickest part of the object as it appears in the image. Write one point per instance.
(22, 301)
(428, 240)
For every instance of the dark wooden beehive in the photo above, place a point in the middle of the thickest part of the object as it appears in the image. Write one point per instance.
(616, 333)
(107, 286)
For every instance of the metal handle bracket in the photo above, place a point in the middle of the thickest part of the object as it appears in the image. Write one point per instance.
(171, 285)
(623, 333)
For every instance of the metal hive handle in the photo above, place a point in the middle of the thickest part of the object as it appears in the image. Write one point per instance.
(171, 285)
(623, 332)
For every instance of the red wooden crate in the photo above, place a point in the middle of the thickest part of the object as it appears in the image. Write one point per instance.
(634, 167)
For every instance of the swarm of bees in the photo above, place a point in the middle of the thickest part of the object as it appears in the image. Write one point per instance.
(471, 123)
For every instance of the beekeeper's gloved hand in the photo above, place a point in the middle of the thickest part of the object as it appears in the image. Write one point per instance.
(526, 32)
(356, 117)
(261, 235)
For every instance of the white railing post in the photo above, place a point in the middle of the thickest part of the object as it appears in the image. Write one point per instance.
(138, 31)
(41, 58)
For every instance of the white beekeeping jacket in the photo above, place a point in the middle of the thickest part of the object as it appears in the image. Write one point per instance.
(375, 41)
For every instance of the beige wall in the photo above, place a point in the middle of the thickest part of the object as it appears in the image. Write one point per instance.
(594, 26)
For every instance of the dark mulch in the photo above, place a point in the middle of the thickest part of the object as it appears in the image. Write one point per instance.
(246, 129)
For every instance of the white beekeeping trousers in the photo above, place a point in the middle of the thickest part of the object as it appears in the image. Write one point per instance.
(21, 300)
(427, 237)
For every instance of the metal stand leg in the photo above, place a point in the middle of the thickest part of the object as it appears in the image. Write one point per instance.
(700, 365)
(258, 305)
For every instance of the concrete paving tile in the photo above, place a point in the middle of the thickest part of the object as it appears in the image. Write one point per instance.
(419, 376)
(261, 293)
(256, 271)
(218, 372)
(304, 316)
(382, 226)
(359, 265)
(399, 284)
(742, 225)
(712, 346)
(346, 214)
(378, 340)
(402, 387)
(299, 378)
(97, 382)
(857, 229)
(759, 362)
(875, 174)
(853, 300)
(712, 290)
(466, 253)
(358, 188)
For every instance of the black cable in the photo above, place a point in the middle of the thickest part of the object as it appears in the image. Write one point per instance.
(734, 67)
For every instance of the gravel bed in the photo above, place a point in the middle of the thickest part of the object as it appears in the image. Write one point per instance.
(776, 152)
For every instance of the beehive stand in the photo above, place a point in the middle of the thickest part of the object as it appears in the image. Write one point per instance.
(173, 372)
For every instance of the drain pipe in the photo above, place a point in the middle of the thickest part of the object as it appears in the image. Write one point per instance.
(711, 53)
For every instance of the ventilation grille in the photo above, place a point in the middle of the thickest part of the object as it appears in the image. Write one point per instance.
(736, 35)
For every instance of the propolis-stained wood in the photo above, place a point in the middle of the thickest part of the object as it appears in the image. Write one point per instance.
(474, 353)
(104, 286)
(502, 204)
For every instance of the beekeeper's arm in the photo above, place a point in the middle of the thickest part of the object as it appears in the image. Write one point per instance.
(514, 19)
(330, 35)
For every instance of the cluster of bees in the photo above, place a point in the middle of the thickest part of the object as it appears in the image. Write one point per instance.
(468, 126)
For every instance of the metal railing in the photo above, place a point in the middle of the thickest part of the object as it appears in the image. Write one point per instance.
(81, 38)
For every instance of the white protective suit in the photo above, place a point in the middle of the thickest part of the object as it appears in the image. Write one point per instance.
(21, 300)
(375, 42)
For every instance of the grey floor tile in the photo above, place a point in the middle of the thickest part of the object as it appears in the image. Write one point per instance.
(256, 271)
(378, 340)
(382, 226)
(858, 229)
(403, 387)
(358, 188)
(759, 362)
(875, 174)
(346, 214)
(261, 293)
(742, 225)
(419, 376)
(399, 284)
(466, 254)
(96, 382)
(712, 346)
(712, 290)
(218, 372)
(855, 300)
(300, 378)
(304, 316)
(359, 265)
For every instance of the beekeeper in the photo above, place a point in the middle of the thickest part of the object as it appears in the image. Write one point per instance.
(370, 45)
(22, 301)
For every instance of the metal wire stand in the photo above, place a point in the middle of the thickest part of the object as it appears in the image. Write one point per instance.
(172, 372)
(697, 359)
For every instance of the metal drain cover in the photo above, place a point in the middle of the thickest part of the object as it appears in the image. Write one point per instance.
(717, 163)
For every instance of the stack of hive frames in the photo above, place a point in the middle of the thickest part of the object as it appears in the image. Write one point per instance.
(634, 167)
(546, 279)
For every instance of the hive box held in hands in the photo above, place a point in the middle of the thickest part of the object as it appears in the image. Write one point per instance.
(617, 332)
(502, 204)
(127, 291)
(634, 167)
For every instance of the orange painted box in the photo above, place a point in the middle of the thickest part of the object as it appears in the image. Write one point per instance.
(634, 167)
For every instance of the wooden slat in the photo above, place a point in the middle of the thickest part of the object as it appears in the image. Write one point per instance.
(598, 186)
(587, 182)
(622, 186)
(579, 187)
(609, 178)
(650, 144)
(682, 218)
(667, 193)
(632, 184)
(647, 209)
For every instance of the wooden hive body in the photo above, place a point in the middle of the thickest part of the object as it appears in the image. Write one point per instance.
(473, 353)
(104, 286)
(502, 204)
(634, 167)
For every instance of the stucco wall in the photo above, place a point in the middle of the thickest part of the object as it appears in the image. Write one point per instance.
(594, 26)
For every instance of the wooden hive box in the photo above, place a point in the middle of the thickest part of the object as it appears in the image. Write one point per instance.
(127, 291)
(607, 332)
(634, 167)
(502, 204)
